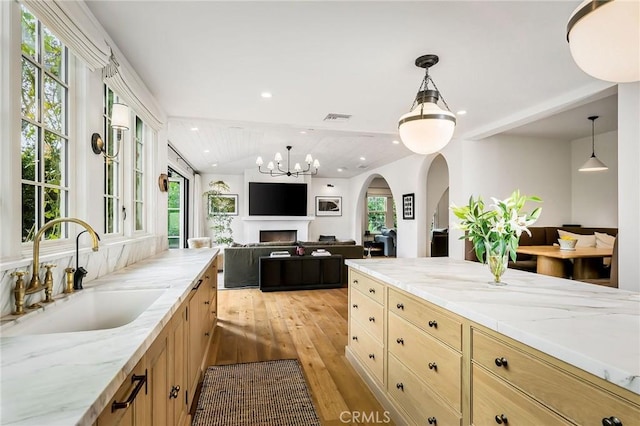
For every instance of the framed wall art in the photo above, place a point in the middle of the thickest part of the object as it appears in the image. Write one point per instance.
(408, 209)
(223, 204)
(328, 206)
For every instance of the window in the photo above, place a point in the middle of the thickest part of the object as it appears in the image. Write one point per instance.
(45, 128)
(138, 175)
(178, 209)
(112, 191)
(376, 213)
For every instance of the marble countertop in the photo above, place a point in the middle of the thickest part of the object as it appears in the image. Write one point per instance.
(68, 378)
(594, 328)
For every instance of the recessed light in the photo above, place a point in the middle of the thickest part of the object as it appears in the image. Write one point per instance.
(303, 132)
(206, 151)
(266, 95)
(194, 129)
(214, 165)
(395, 142)
(362, 158)
(339, 170)
(461, 112)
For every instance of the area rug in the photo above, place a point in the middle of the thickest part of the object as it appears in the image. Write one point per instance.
(270, 393)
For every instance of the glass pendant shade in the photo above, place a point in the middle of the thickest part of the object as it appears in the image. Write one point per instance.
(427, 128)
(604, 39)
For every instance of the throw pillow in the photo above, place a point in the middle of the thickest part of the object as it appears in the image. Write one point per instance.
(583, 240)
(327, 238)
(604, 240)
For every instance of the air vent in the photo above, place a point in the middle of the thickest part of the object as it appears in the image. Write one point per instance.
(337, 118)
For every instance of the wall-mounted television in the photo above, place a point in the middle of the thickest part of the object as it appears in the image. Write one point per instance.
(277, 199)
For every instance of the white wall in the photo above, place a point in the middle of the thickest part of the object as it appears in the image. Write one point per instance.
(236, 186)
(331, 225)
(594, 195)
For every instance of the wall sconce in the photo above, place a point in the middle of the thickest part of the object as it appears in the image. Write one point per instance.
(120, 123)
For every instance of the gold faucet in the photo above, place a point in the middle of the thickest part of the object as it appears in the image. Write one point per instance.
(35, 284)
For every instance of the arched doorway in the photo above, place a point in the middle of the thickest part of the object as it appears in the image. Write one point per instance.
(438, 207)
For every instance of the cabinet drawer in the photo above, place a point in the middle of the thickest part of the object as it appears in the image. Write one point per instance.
(583, 402)
(416, 398)
(368, 313)
(368, 350)
(367, 286)
(495, 402)
(137, 410)
(427, 317)
(435, 363)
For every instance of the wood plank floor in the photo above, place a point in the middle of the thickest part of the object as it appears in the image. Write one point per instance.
(308, 325)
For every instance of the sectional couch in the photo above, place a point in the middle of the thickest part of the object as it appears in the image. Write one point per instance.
(540, 236)
(241, 263)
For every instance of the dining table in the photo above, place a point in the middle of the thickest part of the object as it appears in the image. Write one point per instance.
(552, 260)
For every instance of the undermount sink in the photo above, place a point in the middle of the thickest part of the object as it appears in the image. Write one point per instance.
(87, 311)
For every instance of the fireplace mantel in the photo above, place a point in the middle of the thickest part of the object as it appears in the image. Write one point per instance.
(254, 224)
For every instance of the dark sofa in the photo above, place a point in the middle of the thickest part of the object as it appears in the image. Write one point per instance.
(540, 236)
(241, 264)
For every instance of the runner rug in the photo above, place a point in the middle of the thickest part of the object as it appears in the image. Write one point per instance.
(271, 393)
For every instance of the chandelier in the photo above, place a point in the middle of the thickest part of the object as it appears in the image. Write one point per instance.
(427, 128)
(276, 169)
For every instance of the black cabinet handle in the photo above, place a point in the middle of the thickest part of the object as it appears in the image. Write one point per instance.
(195, 287)
(354, 338)
(206, 302)
(433, 323)
(206, 334)
(502, 419)
(355, 281)
(432, 420)
(611, 421)
(372, 290)
(501, 362)
(400, 386)
(372, 356)
(355, 305)
(400, 306)
(174, 392)
(372, 319)
(400, 340)
(142, 381)
(433, 366)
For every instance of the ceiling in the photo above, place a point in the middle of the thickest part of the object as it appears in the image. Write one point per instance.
(208, 62)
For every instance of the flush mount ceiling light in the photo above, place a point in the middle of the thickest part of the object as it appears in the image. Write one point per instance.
(119, 122)
(276, 170)
(427, 128)
(593, 164)
(604, 39)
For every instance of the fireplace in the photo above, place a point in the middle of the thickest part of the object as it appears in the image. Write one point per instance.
(267, 236)
(254, 225)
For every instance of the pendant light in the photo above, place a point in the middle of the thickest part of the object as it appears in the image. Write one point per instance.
(604, 39)
(427, 128)
(593, 164)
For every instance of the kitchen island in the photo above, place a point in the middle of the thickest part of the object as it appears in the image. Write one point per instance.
(582, 339)
(69, 378)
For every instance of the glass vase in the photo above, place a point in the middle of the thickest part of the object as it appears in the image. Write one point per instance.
(497, 260)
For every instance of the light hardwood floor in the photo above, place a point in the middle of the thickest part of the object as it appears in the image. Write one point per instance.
(308, 325)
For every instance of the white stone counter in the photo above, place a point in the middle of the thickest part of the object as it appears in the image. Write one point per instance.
(68, 378)
(594, 328)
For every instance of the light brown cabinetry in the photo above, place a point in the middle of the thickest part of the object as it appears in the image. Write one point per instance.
(442, 369)
(172, 365)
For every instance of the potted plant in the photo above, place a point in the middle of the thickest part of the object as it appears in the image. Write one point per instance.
(496, 232)
(217, 213)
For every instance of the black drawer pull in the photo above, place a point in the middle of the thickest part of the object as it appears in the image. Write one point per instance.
(501, 362)
(354, 338)
(400, 386)
(432, 421)
(197, 286)
(611, 421)
(400, 340)
(372, 290)
(400, 306)
(433, 323)
(502, 419)
(355, 305)
(355, 281)
(174, 392)
(206, 302)
(372, 319)
(142, 381)
(433, 366)
(372, 356)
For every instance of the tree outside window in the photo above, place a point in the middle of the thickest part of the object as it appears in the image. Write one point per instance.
(376, 213)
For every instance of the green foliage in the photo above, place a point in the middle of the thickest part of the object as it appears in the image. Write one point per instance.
(497, 230)
(377, 213)
(220, 221)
